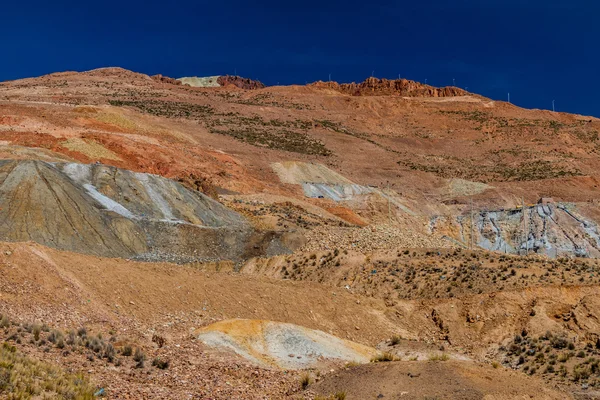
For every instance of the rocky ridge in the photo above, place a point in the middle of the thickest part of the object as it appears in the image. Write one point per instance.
(384, 87)
(242, 83)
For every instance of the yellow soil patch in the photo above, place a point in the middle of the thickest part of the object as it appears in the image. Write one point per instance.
(116, 120)
(85, 109)
(238, 328)
(272, 343)
(461, 187)
(297, 172)
(90, 148)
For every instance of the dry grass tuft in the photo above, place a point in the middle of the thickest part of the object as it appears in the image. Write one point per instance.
(439, 357)
(24, 378)
(384, 357)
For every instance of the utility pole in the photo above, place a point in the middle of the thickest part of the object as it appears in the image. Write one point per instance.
(553, 110)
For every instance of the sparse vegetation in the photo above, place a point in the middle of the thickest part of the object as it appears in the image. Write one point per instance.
(336, 396)
(444, 274)
(168, 109)
(127, 351)
(280, 139)
(159, 340)
(438, 357)
(305, 380)
(160, 363)
(556, 356)
(384, 357)
(340, 396)
(529, 170)
(139, 357)
(110, 353)
(22, 377)
(395, 340)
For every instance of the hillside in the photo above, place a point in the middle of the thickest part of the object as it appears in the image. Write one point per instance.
(268, 242)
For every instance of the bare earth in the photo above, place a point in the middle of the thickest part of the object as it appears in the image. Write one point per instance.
(381, 240)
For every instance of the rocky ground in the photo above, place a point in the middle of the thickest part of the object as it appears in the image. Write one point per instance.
(158, 307)
(368, 239)
(357, 202)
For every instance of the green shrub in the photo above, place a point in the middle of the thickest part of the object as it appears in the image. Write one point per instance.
(581, 372)
(127, 351)
(139, 357)
(110, 352)
(160, 364)
(36, 332)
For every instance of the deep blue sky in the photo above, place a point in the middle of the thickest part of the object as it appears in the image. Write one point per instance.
(537, 50)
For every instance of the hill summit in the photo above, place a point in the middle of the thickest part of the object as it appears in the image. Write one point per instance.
(385, 87)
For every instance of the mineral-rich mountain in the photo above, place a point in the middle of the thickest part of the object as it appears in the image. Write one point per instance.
(96, 209)
(216, 81)
(386, 87)
(214, 238)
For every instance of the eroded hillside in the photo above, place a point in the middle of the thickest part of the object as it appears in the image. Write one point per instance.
(229, 240)
(403, 155)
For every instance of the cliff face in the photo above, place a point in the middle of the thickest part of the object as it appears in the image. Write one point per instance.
(242, 83)
(401, 87)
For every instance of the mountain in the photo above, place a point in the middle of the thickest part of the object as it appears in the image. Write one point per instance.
(218, 81)
(216, 238)
(384, 87)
